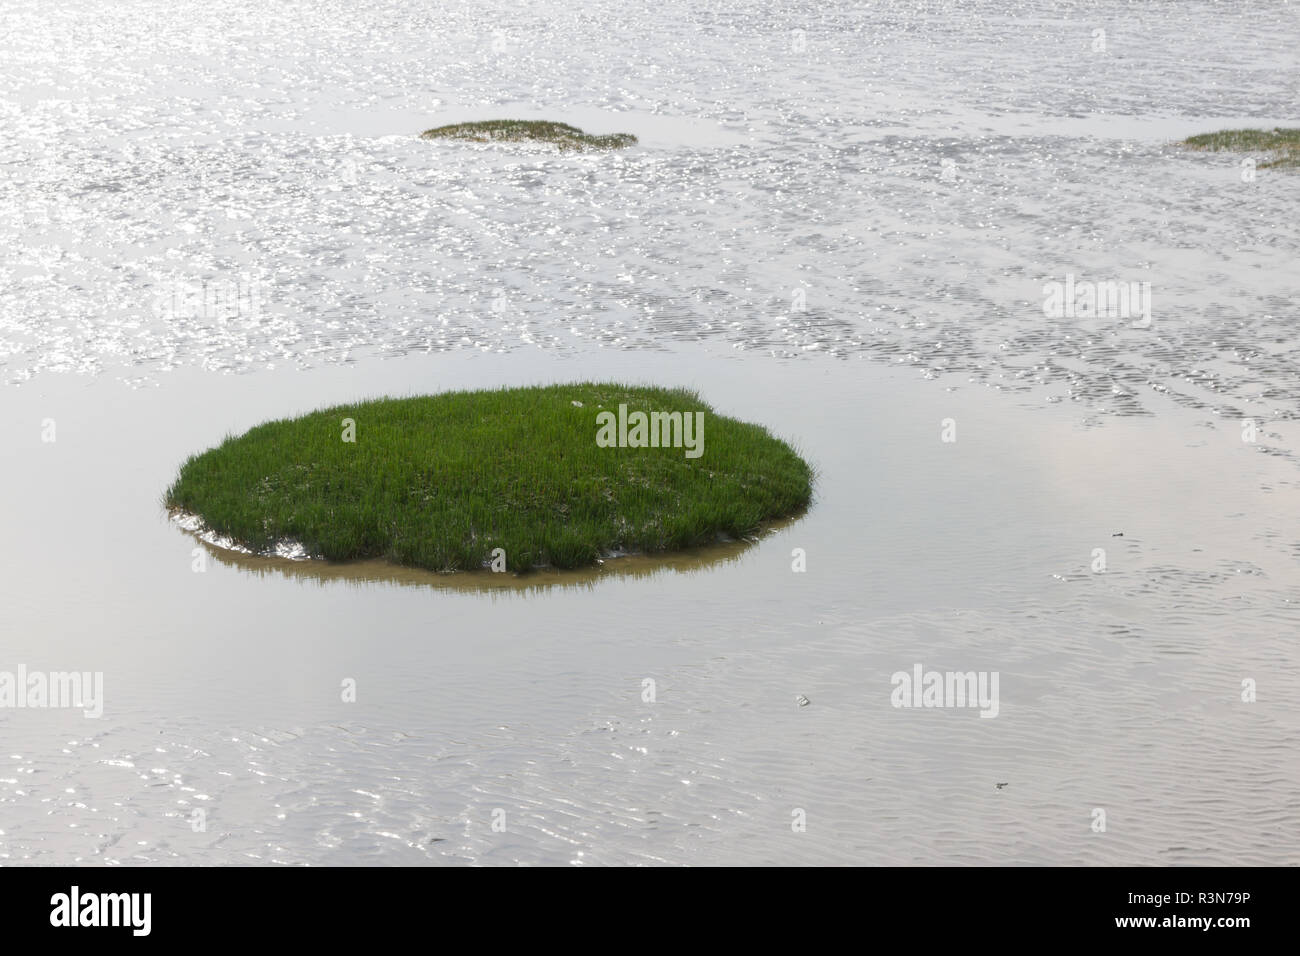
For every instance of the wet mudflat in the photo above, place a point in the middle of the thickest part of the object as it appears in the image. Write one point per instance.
(838, 221)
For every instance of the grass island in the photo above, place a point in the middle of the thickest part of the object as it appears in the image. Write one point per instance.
(1281, 145)
(563, 135)
(513, 479)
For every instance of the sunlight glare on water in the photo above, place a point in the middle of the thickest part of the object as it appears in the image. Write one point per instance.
(839, 222)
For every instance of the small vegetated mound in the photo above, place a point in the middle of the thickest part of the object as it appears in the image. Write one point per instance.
(553, 476)
(563, 135)
(1282, 146)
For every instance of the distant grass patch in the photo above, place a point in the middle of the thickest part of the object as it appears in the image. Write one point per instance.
(440, 481)
(563, 135)
(1282, 145)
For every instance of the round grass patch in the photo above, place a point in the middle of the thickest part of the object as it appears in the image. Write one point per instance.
(551, 476)
(1282, 146)
(563, 135)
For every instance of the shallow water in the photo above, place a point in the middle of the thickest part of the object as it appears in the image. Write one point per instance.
(195, 192)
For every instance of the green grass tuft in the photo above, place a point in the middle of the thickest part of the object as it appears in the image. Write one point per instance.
(1282, 145)
(563, 135)
(439, 481)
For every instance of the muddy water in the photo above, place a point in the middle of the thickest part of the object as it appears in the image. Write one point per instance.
(788, 239)
(1118, 690)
